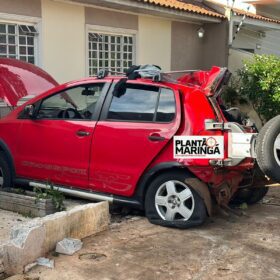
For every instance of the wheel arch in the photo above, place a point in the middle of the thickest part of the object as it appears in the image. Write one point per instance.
(6, 151)
(200, 187)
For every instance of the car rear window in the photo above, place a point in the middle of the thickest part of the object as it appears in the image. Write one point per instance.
(143, 103)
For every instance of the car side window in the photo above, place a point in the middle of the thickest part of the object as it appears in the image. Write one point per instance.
(74, 103)
(166, 106)
(138, 103)
(143, 103)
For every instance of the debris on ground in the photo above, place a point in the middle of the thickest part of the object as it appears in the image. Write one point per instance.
(243, 206)
(68, 246)
(92, 256)
(28, 267)
(45, 262)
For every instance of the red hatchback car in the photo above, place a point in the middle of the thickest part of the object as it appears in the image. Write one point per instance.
(147, 141)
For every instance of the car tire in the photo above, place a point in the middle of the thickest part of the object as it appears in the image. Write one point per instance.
(172, 202)
(249, 195)
(5, 173)
(268, 149)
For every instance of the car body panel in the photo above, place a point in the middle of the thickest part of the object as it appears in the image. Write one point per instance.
(122, 151)
(208, 81)
(19, 79)
(51, 150)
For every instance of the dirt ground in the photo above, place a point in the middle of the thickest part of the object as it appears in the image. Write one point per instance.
(226, 247)
(9, 219)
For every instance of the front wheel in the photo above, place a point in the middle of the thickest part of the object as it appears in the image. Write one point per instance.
(171, 201)
(5, 173)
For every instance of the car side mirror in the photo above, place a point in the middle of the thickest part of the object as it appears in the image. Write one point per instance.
(29, 110)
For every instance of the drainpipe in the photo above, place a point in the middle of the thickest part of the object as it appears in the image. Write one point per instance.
(230, 33)
(228, 14)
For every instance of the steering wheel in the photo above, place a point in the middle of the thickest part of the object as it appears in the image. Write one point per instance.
(67, 114)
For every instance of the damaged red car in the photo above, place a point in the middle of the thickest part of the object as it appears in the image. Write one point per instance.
(145, 140)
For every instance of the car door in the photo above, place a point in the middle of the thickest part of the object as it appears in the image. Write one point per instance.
(56, 144)
(133, 129)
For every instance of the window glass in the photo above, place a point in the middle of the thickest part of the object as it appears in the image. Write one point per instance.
(138, 103)
(17, 41)
(114, 52)
(75, 103)
(166, 107)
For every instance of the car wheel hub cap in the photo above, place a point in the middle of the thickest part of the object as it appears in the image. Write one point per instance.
(277, 149)
(174, 201)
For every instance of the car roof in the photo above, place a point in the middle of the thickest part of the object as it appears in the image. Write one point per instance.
(115, 79)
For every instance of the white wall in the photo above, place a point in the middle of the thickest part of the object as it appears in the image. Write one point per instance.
(271, 43)
(249, 38)
(63, 40)
(236, 59)
(154, 42)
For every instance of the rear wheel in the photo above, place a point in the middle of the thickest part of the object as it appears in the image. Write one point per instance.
(255, 192)
(249, 195)
(171, 201)
(268, 149)
(5, 173)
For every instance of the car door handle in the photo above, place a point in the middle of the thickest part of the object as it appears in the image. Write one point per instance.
(82, 133)
(156, 137)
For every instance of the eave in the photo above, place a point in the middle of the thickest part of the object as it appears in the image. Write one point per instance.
(142, 8)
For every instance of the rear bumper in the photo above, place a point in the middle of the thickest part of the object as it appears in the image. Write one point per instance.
(240, 144)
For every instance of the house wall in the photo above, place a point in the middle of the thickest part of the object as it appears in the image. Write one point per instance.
(154, 42)
(249, 38)
(215, 45)
(19, 7)
(110, 18)
(186, 47)
(190, 52)
(63, 40)
(236, 59)
(270, 44)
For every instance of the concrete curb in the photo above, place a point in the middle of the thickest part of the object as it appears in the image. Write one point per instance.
(39, 236)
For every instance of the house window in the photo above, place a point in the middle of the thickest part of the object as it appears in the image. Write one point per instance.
(17, 41)
(107, 51)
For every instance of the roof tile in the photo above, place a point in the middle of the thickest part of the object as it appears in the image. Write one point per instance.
(254, 16)
(186, 6)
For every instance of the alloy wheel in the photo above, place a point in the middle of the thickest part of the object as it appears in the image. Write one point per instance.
(277, 149)
(174, 201)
